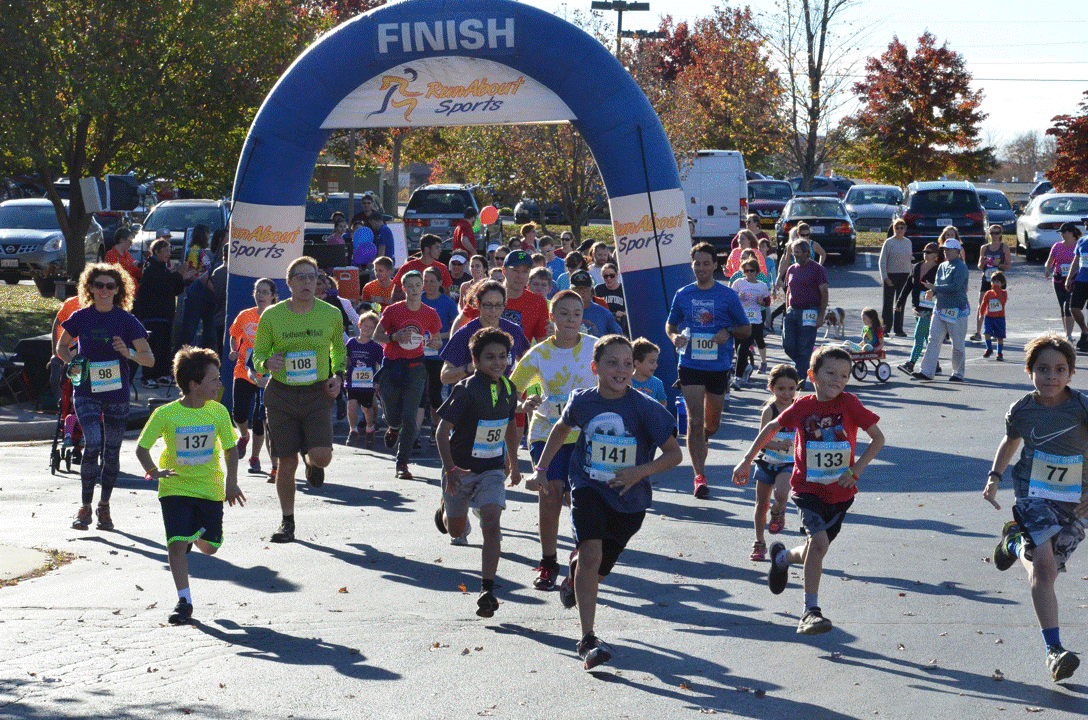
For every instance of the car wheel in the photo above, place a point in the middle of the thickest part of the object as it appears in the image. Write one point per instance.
(47, 287)
(849, 257)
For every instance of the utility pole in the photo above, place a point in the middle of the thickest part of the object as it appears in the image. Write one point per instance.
(619, 6)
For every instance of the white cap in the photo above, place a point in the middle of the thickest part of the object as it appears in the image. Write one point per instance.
(459, 256)
(953, 244)
(492, 247)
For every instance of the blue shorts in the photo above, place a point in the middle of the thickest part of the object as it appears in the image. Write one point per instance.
(594, 519)
(766, 473)
(185, 516)
(994, 327)
(1042, 520)
(817, 515)
(559, 468)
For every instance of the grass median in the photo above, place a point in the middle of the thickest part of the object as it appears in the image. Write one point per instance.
(24, 313)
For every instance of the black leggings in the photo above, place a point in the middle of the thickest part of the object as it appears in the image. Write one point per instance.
(247, 405)
(433, 393)
(1063, 299)
(744, 351)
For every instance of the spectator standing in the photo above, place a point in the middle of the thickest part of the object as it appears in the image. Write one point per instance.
(994, 256)
(951, 312)
(806, 297)
(611, 291)
(156, 304)
(464, 238)
(922, 275)
(895, 266)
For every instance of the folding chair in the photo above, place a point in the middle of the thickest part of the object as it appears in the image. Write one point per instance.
(12, 378)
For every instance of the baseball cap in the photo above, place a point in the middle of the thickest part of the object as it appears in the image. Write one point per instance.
(517, 257)
(458, 258)
(952, 244)
(163, 233)
(492, 247)
(1069, 228)
(581, 278)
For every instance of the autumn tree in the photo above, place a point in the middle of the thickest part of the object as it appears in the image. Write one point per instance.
(1026, 154)
(815, 54)
(1071, 151)
(166, 86)
(919, 118)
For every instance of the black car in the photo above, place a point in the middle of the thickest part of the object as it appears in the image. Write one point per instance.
(998, 209)
(830, 223)
(829, 186)
(930, 207)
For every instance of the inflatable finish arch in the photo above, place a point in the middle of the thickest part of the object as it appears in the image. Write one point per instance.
(465, 62)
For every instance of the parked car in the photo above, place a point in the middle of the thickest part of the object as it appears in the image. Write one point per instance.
(528, 210)
(434, 208)
(823, 186)
(1037, 227)
(872, 207)
(929, 207)
(715, 195)
(1040, 189)
(177, 216)
(830, 223)
(32, 245)
(766, 198)
(998, 209)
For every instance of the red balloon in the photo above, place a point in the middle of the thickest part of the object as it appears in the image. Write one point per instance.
(489, 215)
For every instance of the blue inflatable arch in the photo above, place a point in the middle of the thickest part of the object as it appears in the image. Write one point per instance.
(469, 62)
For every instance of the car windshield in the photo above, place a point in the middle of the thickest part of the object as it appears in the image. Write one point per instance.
(945, 201)
(181, 217)
(995, 201)
(769, 191)
(860, 196)
(817, 184)
(23, 217)
(1065, 206)
(817, 208)
(439, 202)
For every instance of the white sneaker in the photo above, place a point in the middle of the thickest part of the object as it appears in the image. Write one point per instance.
(463, 540)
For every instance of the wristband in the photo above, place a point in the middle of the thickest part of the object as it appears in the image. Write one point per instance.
(540, 468)
(147, 476)
(854, 475)
(994, 473)
(131, 353)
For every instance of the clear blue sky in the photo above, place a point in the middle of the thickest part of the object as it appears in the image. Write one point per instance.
(1029, 59)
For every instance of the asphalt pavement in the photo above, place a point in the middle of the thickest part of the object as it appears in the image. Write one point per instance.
(365, 616)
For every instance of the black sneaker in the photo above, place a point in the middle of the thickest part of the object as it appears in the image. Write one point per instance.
(183, 613)
(1003, 559)
(315, 476)
(907, 367)
(438, 522)
(286, 532)
(955, 378)
(486, 604)
(593, 652)
(921, 376)
(813, 622)
(566, 588)
(777, 577)
(1060, 662)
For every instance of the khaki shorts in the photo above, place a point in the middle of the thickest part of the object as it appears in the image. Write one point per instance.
(299, 417)
(476, 490)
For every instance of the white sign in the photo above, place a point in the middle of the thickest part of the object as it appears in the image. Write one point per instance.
(264, 239)
(636, 248)
(443, 91)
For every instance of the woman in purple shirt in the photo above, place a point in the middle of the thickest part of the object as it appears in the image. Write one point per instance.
(806, 298)
(109, 337)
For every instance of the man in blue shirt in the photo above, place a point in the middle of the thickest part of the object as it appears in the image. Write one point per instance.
(596, 319)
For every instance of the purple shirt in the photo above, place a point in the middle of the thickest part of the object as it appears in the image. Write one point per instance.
(362, 355)
(456, 352)
(803, 283)
(107, 375)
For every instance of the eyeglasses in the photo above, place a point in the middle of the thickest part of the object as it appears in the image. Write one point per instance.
(610, 276)
(305, 277)
(805, 234)
(995, 234)
(750, 270)
(99, 285)
(492, 306)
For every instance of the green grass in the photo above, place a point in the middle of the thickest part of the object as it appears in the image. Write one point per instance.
(24, 313)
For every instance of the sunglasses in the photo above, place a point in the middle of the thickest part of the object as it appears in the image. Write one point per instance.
(995, 234)
(99, 285)
(749, 270)
(492, 306)
(805, 234)
(608, 277)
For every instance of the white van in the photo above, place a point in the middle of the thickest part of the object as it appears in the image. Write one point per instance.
(716, 195)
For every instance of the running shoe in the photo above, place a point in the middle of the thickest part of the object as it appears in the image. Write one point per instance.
(439, 522)
(748, 372)
(462, 539)
(254, 464)
(83, 519)
(955, 378)
(183, 613)
(907, 367)
(353, 439)
(763, 368)
(1060, 662)
(369, 439)
(486, 604)
(272, 475)
(759, 552)
(285, 533)
(403, 473)
(315, 476)
(593, 652)
(1000, 357)
(242, 444)
(702, 490)
(105, 522)
(566, 588)
(736, 384)
(149, 384)
(975, 338)
(545, 577)
(391, 436)
(813, 622)
(165, 381)
(1004, 558)
(921, 376)
(778, 521)
(777, 577)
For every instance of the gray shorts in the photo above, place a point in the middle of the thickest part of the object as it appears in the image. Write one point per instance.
(1041, 520)
(476, 490)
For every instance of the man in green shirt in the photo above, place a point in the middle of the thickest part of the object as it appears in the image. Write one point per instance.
(300, 342)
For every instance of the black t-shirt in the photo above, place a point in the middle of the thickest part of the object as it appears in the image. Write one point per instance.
(615, 301)
(479, 411)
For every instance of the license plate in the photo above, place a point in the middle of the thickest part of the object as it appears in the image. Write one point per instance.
(817, 229)
(9, 262)
(944, 221)
(440, 222)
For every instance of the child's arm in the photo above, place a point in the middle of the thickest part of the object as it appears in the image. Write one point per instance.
(559, 433)
(744, 467)
(513, 442)
(151, 471)
(779, 445)
(233, 492)
(449, 469)
(669, 458)
(853, 474)
(1005, 451)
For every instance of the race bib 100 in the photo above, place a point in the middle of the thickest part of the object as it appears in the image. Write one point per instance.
(703, 347)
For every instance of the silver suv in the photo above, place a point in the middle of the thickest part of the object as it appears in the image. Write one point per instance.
(177, 216)
(32, 244)
(434, 209)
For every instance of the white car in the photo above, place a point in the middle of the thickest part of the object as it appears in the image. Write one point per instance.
(1037, 227)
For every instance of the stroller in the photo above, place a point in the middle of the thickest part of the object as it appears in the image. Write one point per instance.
(68, 437)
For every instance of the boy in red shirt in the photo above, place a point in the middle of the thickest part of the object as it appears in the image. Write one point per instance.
(992, 310)
(825, 472)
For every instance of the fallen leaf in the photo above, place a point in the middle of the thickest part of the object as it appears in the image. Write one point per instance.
(998, 675)
(478, 649)
(152, 605)
(465, 651)
(462, 588)
(944, 634)
(908, 614)
(1033, 709)
(902, 594)
(117, 612)
(836, 655)
(999, 641)
(900, 646)
(353, 651)
(760, 693)
(685, 686)
(708, 711)
(343, 590)
(222, 685)
(139, 588)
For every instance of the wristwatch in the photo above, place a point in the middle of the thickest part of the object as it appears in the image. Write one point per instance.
(131, 353)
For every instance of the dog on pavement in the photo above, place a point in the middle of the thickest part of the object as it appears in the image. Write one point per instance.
(835, 323)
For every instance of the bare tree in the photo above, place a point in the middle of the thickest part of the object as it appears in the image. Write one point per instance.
(817, 65)
(1026, 154)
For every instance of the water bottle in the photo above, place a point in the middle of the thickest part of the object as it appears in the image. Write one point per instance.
(681, 416)
(75, 370)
